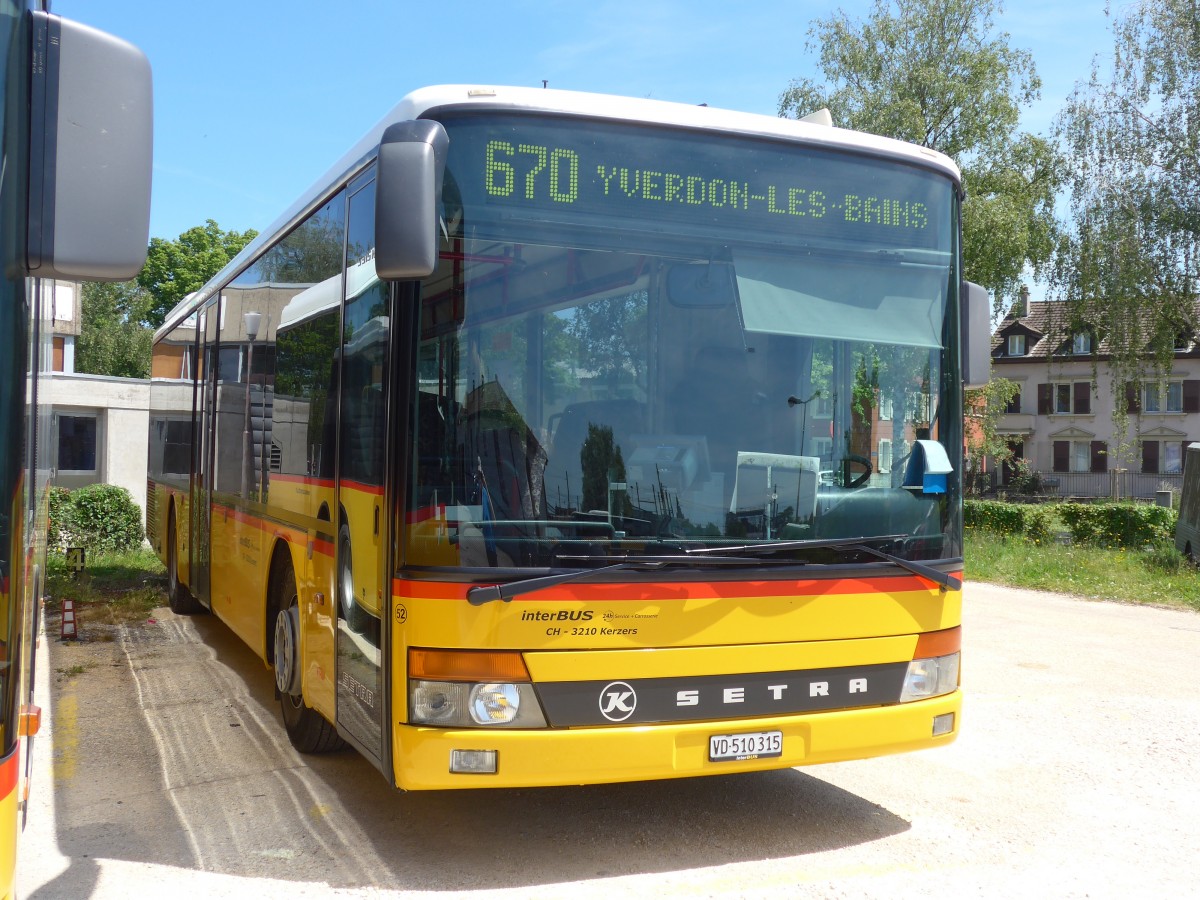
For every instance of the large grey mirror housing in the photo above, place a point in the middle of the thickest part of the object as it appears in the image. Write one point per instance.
(90, 155)
(408, 197)
(976, 336)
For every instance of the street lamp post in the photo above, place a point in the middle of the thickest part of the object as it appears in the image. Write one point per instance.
(796, 401)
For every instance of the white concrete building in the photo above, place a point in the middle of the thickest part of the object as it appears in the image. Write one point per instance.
(100, 425)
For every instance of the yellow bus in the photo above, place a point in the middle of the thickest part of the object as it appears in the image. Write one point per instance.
(74, 205)
(555, 438)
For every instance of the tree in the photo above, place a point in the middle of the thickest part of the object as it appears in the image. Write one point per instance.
(176, 268)
(937, 73)
(112, 338)
(984, 406)
(1130, 262)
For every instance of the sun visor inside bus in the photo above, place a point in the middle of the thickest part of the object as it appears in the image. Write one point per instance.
(412, 160)
(843, 299)
(91, 147)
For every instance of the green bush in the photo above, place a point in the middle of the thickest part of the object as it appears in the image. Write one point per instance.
(100, 517)
(1127, 525)
(60, 501)
(1008, 519)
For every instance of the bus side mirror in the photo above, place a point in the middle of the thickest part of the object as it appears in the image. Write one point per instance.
(976, 336)
(408, 196)
(90, 154)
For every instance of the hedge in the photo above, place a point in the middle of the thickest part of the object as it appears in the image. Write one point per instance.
(100, 517)
(1009, 519)
(1130, 525)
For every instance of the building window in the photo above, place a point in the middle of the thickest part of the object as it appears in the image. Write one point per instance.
(1080, 456)
(885, 407)
(1160, 397)
(1162, 457)
(1016, 345)
(1014, 404)
(885, 455)
(1171, 457)
(76, 443)
(822, 447)
(1064, 398)
(1081, 344)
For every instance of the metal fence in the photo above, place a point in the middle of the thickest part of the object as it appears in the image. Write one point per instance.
(1120, 484)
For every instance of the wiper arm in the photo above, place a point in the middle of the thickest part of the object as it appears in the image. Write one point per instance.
(485, 593)
(948, 582)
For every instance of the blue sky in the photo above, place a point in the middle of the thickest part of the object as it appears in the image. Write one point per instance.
(254, 99)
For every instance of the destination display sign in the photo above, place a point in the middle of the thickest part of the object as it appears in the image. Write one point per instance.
(569, 169)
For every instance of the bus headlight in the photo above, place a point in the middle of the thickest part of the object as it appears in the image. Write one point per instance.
(458, 704)
(930, 677)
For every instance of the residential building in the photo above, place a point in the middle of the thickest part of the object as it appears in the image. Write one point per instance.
(1062, 420)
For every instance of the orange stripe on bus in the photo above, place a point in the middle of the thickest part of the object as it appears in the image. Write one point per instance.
(642, 592)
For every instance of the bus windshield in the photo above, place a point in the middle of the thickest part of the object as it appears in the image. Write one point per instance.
(644, 340)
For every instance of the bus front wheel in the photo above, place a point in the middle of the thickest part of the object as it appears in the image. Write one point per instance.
(307, 729)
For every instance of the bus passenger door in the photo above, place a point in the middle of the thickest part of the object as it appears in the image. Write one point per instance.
(199, 547)
(362, 588)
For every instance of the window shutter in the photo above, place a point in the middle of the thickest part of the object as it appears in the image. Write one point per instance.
(1191, 396)
(1133, 402)
(1150, 457)
(1045, 393)
(1099, 456)
(1062, 456)
(1083, 397)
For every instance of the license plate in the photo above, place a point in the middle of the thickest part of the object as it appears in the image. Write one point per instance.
(753, 745)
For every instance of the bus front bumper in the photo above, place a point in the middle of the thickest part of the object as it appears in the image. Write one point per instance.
(536, 758)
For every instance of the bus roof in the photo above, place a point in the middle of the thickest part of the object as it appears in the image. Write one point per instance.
(598, 106)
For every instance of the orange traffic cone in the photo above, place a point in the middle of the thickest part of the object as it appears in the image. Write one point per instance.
(68, 620)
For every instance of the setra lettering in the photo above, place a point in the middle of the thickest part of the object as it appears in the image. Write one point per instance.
(738, 694)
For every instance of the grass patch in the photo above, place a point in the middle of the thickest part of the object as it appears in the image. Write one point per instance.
(72, 671)
(1158, 576)
(115, 588)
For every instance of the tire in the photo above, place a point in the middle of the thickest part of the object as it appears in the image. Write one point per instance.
(356, 617)
(179, 598)
(307, 729)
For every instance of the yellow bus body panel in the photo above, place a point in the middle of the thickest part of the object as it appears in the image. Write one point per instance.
(9, 820)
(239, 575)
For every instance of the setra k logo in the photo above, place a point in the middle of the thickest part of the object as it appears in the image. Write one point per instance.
(617, 701)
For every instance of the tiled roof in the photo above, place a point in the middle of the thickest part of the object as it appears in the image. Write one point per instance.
(1048, 332)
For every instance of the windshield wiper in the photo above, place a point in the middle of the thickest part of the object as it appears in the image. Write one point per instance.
(485, 593)
(948, 582)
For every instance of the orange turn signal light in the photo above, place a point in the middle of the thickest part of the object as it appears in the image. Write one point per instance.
(30, 721)
(466, 665)
(938, 643)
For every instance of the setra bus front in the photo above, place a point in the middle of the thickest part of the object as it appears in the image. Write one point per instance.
(678, 475)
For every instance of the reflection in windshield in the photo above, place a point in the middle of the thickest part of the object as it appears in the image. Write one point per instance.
(585, 402)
